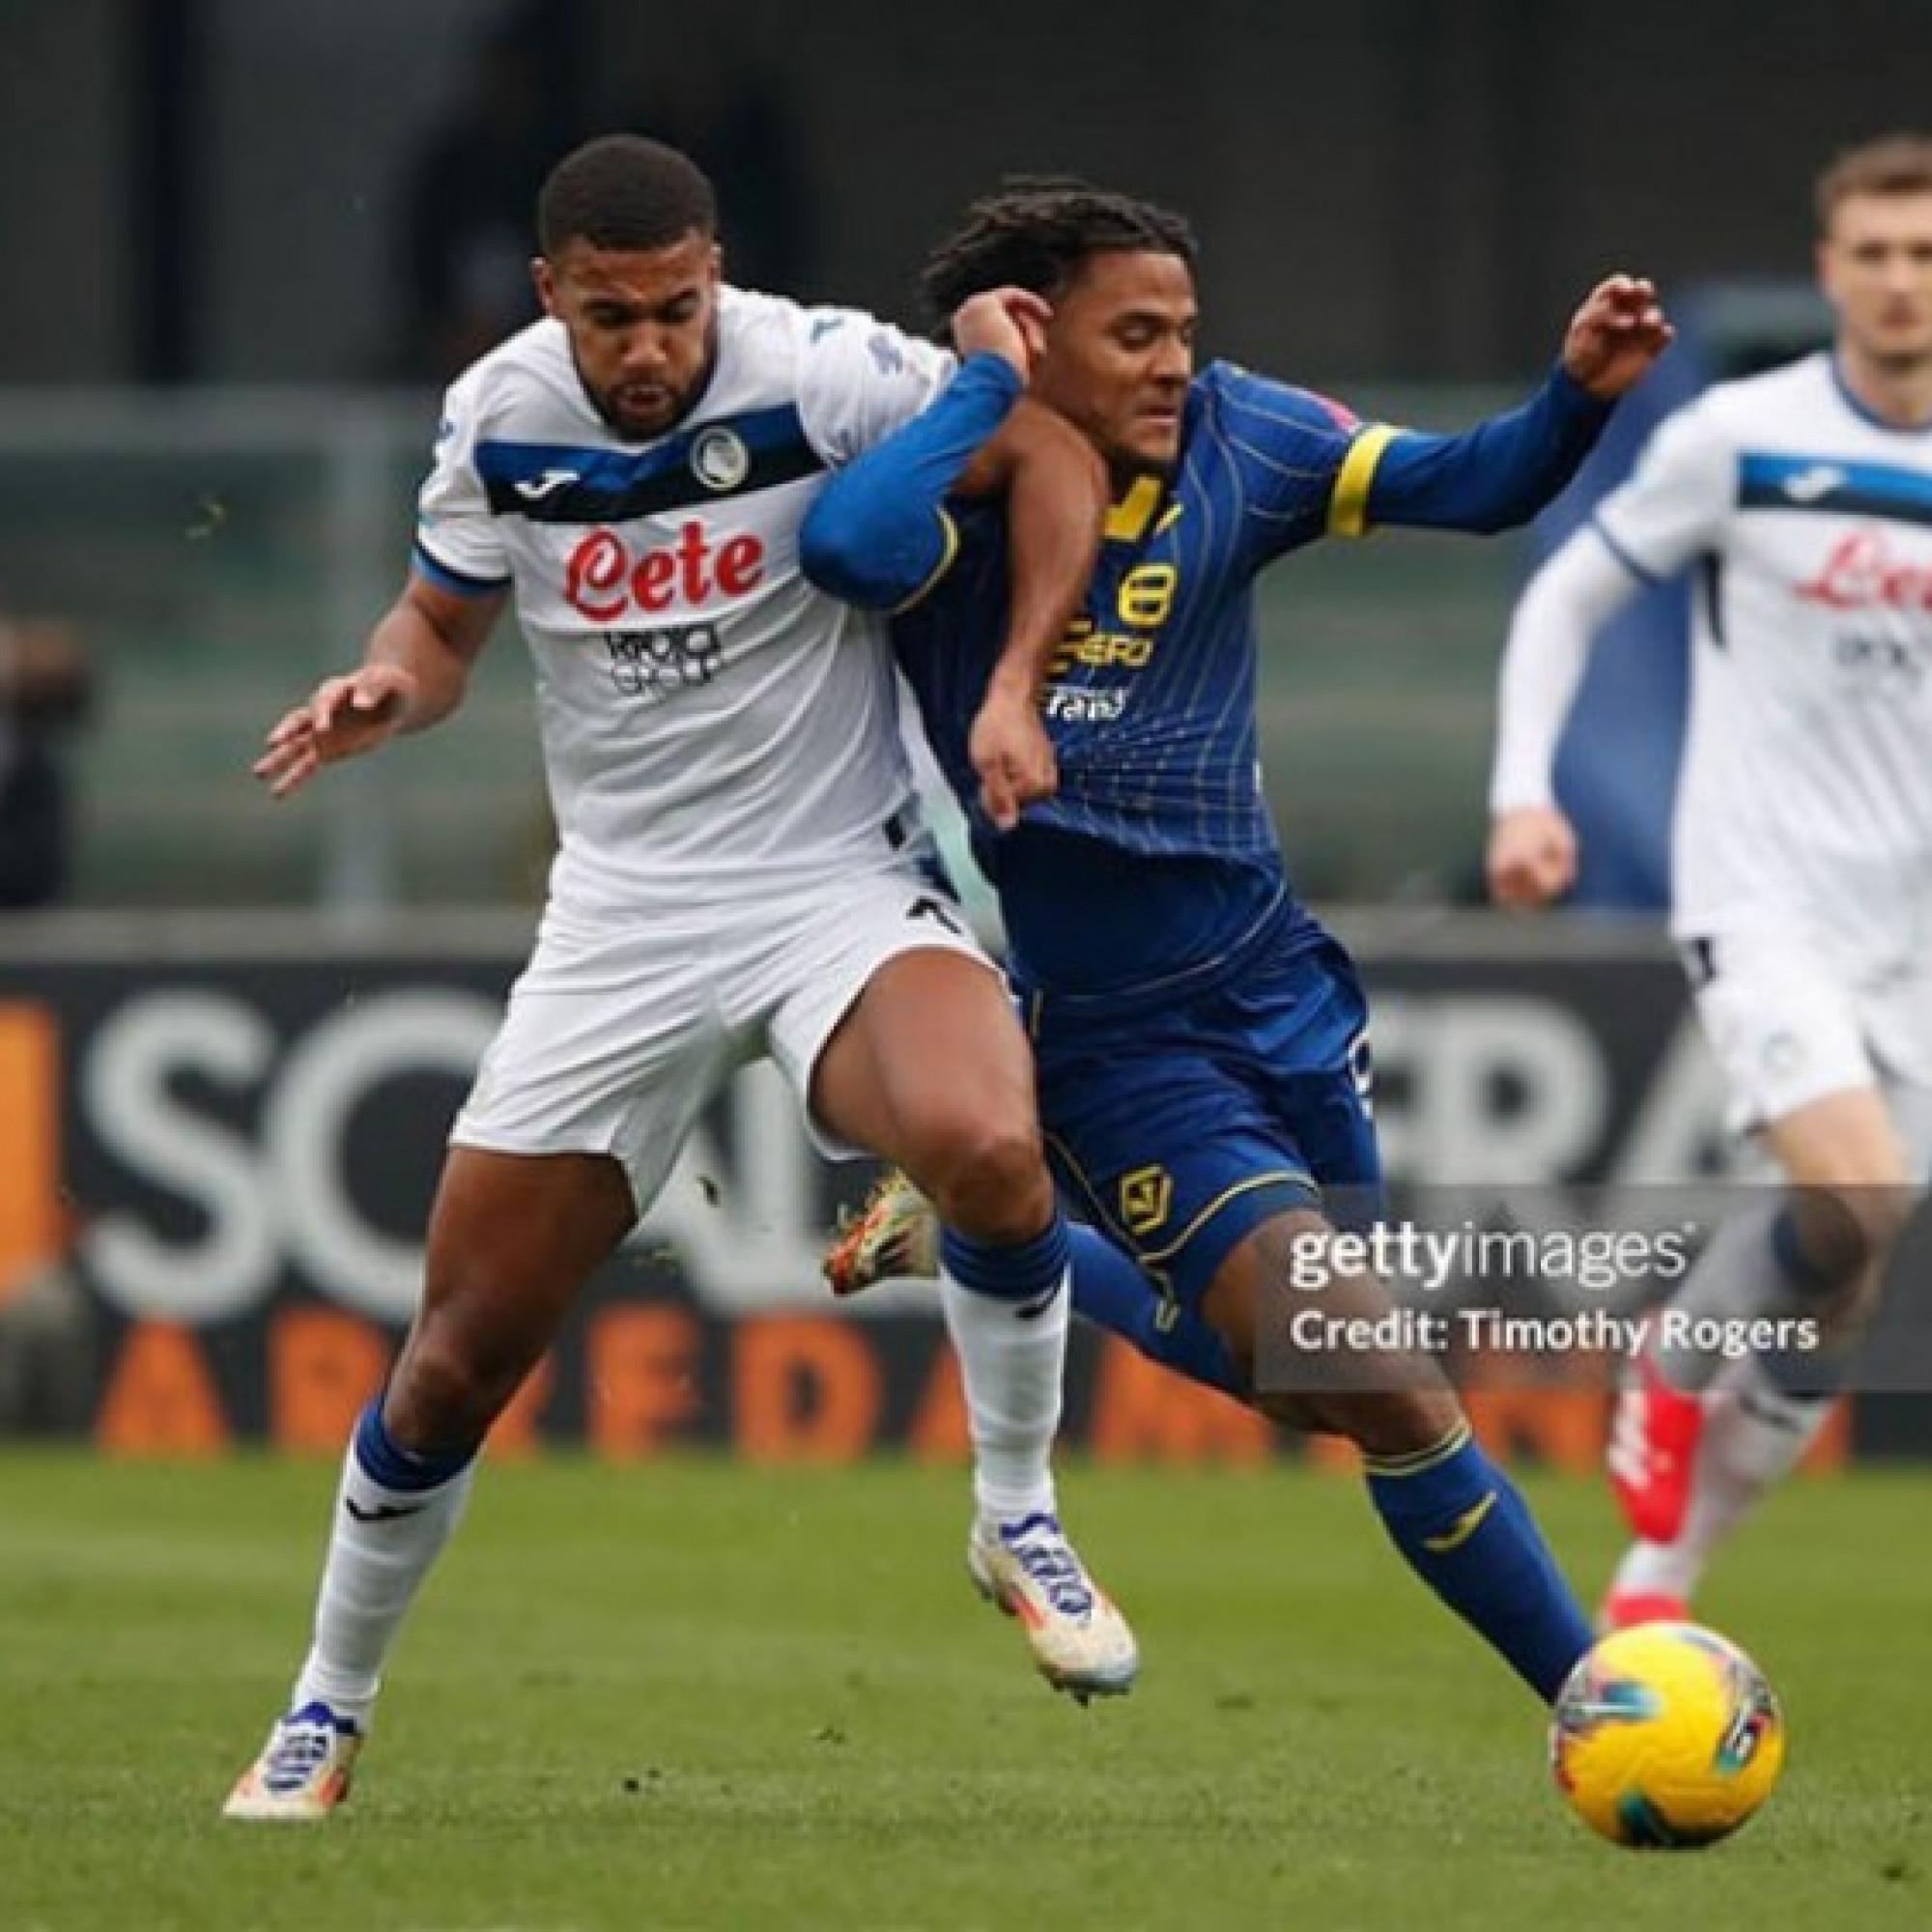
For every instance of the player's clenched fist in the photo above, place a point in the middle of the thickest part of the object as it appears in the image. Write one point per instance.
(1010, 323)
(1532, 856)
(345, 717)
(1014, 754)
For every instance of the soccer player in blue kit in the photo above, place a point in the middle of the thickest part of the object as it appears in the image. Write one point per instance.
(1201, 1039)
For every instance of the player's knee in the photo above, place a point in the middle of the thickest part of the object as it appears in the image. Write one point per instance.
(445, 1393)
(987, 1175)
(1830, 1241)
(1393, 1421)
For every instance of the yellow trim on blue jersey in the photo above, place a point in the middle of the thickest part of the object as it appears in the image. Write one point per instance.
(1151, 1259)
(939, 569)
(1127, 520)
(1102, 1215)
(1419, 1459)
(1168, 522)
(1349, 501)
(1152, 1256)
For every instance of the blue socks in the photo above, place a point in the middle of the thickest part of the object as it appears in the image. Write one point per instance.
(1110, 1289)
(1465, 1532)
(384, 1461)
(1023, 1273)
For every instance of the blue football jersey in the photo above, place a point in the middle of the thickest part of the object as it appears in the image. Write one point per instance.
(1157, 854)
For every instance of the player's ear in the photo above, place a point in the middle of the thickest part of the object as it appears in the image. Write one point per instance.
(544, 280)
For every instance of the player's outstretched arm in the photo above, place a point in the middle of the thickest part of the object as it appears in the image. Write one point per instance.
(413, 674)
(1502, 471)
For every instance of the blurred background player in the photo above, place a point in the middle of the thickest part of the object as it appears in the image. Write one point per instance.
(739, 873)
(1801, 896)
(1201, 1038)
(46, 685)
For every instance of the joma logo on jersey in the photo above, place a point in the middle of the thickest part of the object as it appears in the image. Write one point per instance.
(1146, 1196)
(606, 578)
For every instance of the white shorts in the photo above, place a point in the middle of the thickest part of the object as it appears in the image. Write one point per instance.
(1789, 1025)
(615, 1041)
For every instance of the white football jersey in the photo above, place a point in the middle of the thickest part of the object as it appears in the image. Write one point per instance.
(712, 725)
(1806, 800)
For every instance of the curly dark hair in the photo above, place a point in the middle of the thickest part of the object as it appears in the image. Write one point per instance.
(624, 191)
(1038, 231)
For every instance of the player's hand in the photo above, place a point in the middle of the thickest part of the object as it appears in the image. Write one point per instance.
(1007, 322)
(1532, 856)
(1616, 335)
(344, 718)
(1013, 756)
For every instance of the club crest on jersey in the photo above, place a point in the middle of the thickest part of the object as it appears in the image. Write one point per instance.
(720, 459)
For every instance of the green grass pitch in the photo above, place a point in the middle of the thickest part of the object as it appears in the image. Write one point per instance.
(694, 1693)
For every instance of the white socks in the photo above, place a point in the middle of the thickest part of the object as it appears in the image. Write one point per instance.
(1012, 1358)
(380, 1547)
(1753, 1435)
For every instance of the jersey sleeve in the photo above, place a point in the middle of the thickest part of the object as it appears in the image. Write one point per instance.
(1562, 608)
(1671, 508)
(861, 379)
(1298, 455)
(457, 544)
(1493, 476)
(879, 534)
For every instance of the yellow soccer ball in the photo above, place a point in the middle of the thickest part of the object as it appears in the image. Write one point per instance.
(1665, 1736)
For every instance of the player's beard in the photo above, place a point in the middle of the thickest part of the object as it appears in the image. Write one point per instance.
(657, 422)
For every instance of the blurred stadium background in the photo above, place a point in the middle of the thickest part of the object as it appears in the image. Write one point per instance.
(227, 1056)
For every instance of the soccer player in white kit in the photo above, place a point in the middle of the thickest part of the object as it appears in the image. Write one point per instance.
(1801, 896)
(740, 871)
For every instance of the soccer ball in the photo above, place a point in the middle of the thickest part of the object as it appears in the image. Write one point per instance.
(1665, 1736)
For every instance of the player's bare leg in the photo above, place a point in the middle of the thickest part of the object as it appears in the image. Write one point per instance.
(1456, 1519)
(1455, 1516)
(930, 1070)
(511, 1239)
(1699, 1440)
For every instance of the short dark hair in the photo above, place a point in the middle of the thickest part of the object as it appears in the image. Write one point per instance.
(624, 191)
(1892, 165)
(1036, 232)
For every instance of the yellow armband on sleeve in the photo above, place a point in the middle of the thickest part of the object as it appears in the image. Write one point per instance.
(1349, 501)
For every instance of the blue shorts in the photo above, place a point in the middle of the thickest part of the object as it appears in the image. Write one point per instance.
(1180, 1118)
